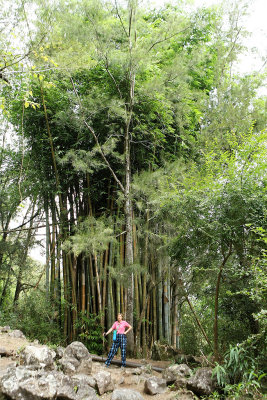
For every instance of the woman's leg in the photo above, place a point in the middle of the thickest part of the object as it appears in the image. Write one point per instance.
(123, 345)
(113, 350)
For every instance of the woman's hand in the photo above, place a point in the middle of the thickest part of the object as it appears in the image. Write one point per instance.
(128, 330)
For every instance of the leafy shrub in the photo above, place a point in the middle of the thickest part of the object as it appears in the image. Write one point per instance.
(91, 332)
(240, 375)
(35, 317)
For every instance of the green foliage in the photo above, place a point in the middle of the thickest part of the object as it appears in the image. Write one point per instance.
(240, 375)
(92, 235)
(91, 332)
(34, 315)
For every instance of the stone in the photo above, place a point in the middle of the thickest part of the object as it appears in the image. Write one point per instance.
(45, 387)
(69, 365)
(84, 379)
(202, 383)
(103, 382)
(76, 359)
(76, 350)
(180, 383)
(181, 370)
(24, 383)
(174, 371)
(86, 393)
(4, 352)
(5, 329)
(60, 352)
(16, 334)
(13, 382)
(126, 394)
(121, 380)
(40, 356)
(75, 389)
(155, 385)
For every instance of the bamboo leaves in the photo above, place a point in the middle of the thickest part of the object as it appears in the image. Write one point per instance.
(91, 236)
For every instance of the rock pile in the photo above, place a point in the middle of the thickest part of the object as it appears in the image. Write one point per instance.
(40, 373)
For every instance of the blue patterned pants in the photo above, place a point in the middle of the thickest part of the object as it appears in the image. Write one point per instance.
(121, 341)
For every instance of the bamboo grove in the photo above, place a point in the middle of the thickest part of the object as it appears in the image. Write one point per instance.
(113, 96)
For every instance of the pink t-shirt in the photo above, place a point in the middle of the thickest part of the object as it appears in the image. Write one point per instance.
(120, 326)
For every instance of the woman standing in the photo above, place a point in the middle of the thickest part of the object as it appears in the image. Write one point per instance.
(119, 341)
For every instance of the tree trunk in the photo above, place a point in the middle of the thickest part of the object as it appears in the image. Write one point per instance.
(216, 306)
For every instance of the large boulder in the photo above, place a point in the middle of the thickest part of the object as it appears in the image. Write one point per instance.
(76, 350)
(172, 373)
(21, 383)
(24, 383)
(71, 388)
(76, 359)
(82, 379)
(126, 394)
(202, 383)
(155, 385)
(103, 382)
(38, 356)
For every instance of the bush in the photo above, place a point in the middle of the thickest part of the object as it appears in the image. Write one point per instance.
(35, 317)
(91, 332)
(240, 375)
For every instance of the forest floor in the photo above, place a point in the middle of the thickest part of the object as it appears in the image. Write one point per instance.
(123, 379)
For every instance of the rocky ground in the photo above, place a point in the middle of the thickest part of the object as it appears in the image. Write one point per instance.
(33, 371)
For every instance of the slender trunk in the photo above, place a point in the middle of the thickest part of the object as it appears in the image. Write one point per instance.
(6, 285)
(91, 276)
(98, 285)
(53, 256)
(66, 294)
(73, 275)
(128, 209)
(104, 286)
(137, 310)
(166, 310)
(154, 303)
(175, 316)
(198, 321)
(160, 327)
(83, 286)
(216, 306)
(47, 245)
(23, 258)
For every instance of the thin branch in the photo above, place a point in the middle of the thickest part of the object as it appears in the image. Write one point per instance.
(121, 21)
(167, 38)
(22, 57)
(112, 77)
(22, 160)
